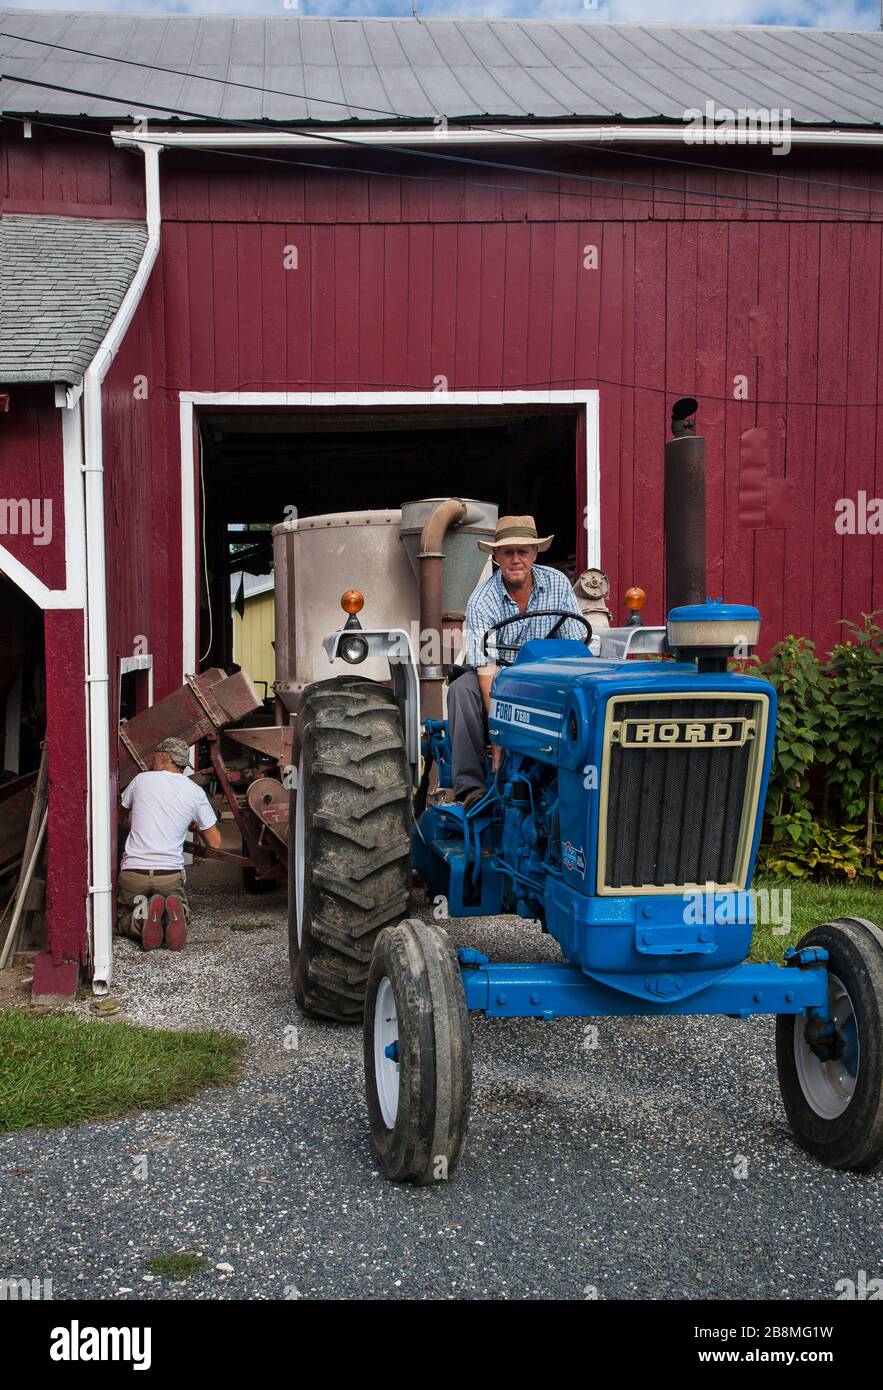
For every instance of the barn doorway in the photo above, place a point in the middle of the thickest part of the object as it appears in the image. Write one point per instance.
(258, 464)
(22, 725)
(22, 682)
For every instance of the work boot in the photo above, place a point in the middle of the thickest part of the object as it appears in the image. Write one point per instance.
(176, 925)
(151, 932)
(473, 797)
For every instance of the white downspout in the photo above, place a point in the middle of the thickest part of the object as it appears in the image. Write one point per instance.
(98, 675)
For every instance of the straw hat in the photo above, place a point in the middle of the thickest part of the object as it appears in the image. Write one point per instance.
(516, 530)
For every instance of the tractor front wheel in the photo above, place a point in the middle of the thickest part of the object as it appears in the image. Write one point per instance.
(349, 847)
(418, 1054)
(835, 1102)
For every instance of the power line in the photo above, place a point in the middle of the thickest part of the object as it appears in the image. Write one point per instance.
(749, 201)
(362, 172)
(395, 115)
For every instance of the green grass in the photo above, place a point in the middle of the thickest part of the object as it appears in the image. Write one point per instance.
(61, 1069)
(812, 904)
(179, 1266)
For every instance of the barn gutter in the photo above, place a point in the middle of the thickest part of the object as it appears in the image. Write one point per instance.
(637, 134)
(98, 676)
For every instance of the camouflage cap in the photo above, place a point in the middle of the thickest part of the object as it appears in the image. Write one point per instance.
(177, 750)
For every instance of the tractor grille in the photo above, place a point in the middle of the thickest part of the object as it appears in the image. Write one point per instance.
(679, 813)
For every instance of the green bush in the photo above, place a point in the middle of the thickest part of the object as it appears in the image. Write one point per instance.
(826, 784)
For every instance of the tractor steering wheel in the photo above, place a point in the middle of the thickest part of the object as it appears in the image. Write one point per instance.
(562, 614)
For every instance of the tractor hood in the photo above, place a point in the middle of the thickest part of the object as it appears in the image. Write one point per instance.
(547, 703)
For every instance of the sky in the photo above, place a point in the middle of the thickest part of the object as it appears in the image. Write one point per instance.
(834, 14)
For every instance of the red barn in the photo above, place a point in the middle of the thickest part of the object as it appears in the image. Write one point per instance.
(256, 263)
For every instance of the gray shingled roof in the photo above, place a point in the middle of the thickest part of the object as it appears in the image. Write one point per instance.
(62, 279)
(372, 69)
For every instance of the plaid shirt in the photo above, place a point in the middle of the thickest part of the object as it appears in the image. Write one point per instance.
(490, 603)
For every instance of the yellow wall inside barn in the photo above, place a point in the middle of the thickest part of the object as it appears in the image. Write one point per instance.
(253, 639)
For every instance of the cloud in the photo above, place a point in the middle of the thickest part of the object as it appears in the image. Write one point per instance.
(829, 14)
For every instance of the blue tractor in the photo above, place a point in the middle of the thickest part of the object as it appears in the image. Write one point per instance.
(624, 816)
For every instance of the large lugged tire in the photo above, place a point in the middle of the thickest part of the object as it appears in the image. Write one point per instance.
(349, 848)
(418, 1054)
(836, 1107)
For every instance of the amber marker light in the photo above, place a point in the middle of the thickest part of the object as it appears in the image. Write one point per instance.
(635, 599)
(352, 601)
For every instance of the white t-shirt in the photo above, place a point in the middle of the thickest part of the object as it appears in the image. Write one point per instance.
(163, 805)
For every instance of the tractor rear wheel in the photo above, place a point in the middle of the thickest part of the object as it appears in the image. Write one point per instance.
(418, 1054)
(349, 848)
(835, 1106)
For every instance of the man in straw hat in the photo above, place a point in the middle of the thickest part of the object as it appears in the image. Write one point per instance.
(163, 804)
(517, 587)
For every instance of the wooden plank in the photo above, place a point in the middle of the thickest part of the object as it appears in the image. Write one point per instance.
(250, 337)
(610, 338)
(768, 334)
(591, 251)
(298, 306)
(200, 268)
(711, 336)
(366, 308)
(225, 307)
(800, 444)
(864, 319)
(396, 275)
(650, 420)
(539, 311)
(567, 268)
(740, 414)
(444, 322)
(617, 554)
(322, 375)
(830, 465)
(466, 305)
(273, 275)
(419, 307)
(491, 323)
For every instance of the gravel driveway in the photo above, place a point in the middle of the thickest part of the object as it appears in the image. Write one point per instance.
(606, 1171)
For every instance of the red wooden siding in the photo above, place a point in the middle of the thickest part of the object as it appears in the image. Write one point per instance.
(402, 280)
(680, 305)
(32, 470)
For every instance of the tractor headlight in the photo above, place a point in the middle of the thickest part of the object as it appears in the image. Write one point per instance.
(353, 649)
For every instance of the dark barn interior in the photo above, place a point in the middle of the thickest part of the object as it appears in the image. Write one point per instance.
(257, 463)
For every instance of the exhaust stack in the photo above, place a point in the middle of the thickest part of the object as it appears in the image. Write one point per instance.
(684, 515)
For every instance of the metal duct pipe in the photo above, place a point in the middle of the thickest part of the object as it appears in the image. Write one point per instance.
(685, 580)
(450, 513)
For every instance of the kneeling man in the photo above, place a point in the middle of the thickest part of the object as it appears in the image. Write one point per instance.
(163, 805)
(516, 588)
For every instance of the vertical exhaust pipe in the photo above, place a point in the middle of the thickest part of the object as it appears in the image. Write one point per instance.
(684, 513)
(451, 512)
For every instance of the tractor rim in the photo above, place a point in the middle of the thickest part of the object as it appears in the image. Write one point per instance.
(386, 1034)
(299, 848)
(829, 1086)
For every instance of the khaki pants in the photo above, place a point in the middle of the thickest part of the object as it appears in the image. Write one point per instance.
(135, 888)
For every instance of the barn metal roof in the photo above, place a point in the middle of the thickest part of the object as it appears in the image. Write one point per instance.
(416, 69)
(62, 279)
